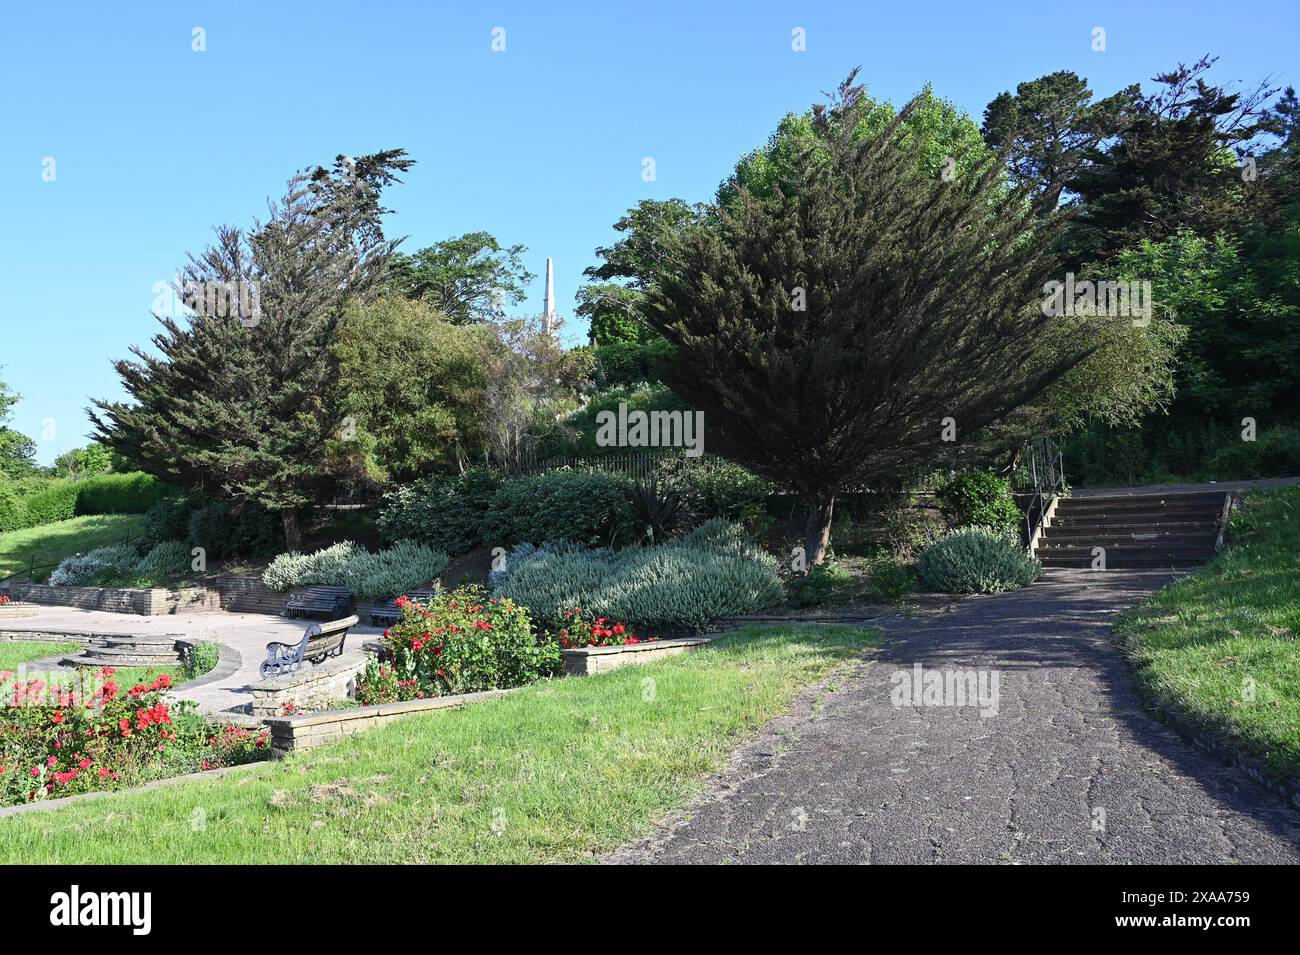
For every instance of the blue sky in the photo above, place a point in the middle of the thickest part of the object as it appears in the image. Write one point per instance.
(542, 144)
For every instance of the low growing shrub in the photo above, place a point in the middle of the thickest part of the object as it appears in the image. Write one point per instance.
(890, 580)
(821, 585)
(979, 498)
(463, 641)
(167, 559)
(406, 565)
(115, 561)
(714, 571)
(976, 560)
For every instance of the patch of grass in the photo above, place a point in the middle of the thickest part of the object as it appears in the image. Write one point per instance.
(556, 772)
(13, 654)
(50, 543)
(1222, 647)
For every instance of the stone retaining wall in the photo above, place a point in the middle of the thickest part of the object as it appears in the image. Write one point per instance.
(120, 599)
(290, 733)
(584, 661)
(249, 595)
(307, 687)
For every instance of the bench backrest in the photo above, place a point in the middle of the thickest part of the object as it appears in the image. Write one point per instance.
(324, 637)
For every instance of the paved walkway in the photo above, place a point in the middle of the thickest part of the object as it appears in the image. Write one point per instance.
(246, 633)
(1069, 770)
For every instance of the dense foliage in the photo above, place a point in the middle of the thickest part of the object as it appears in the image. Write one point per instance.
(715, 571)
(979, 498)
(407, 565)
(977, 560)
(464, 641)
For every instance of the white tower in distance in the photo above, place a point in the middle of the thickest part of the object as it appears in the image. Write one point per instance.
(548, 303)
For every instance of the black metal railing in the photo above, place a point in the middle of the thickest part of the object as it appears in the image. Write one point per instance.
(1042, 475)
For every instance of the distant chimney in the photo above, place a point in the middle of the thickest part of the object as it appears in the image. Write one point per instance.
(548, 303)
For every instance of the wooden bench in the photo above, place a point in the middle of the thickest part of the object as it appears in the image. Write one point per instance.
(329, 603)
(390, 613)
(321, 640)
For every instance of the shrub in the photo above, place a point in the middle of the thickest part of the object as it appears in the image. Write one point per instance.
(715, 571)
(819, 586)
(1274, 453)
(406, 565)
(722, 489)
(580, 629)
(461, 642)
(57, 502)
(212, 527)
(167, 519)
(133, 492)
(658, 510)
(115, 561)
(976, 560)
(202, 657)
(586, 508)
(326, 566)
(979, 498)
(447, 513)
(13, 515)
(890, 579)
(167, 559)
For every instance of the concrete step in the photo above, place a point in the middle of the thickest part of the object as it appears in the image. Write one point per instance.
(119, 660)
(1126, 563)
(1119, 500)
(1105, 537)
(162, 641)
(1200, 553)
(1127, 526)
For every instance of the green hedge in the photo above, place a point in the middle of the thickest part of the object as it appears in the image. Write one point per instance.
(133, 492)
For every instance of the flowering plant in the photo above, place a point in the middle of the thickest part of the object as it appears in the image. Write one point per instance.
(581, 630)
(458, 642)
(233, 745)
(59, 738)
(4, 599)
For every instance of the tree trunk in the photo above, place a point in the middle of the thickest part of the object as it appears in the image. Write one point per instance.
(292, 532)
(817, 531)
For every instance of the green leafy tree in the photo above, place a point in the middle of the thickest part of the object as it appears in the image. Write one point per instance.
(243, 402)
(1174, 166)
(469, 278)
(17, 451)
(831, 330)
(415, 389)
(1048, 128)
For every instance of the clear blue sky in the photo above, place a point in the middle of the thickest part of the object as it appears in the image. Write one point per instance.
(542, 144)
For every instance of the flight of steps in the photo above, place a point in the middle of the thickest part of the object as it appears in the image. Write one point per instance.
(1138, 531)
(130, 650)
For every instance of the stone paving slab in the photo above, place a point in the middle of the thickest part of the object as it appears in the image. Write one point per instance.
(1070, 770)
(246, 633)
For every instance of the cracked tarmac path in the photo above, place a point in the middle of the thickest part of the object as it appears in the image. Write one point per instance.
(1069, 770)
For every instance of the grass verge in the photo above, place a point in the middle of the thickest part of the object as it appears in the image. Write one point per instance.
(14, 654)
(1222, 647)
(556, 772)
(50, 543)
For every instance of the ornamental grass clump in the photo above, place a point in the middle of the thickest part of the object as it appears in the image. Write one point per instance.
(977, 560)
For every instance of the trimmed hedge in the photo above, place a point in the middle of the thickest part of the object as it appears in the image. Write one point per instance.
(132, 492)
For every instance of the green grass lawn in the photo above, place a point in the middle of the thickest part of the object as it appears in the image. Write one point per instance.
(50, 543)
(12, 654)
(1223, 647)
(557, 772)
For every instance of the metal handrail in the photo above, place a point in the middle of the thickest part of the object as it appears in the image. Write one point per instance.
(1047, 477)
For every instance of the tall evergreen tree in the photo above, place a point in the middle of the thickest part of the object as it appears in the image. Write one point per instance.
(839, 329)
(243, 395)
